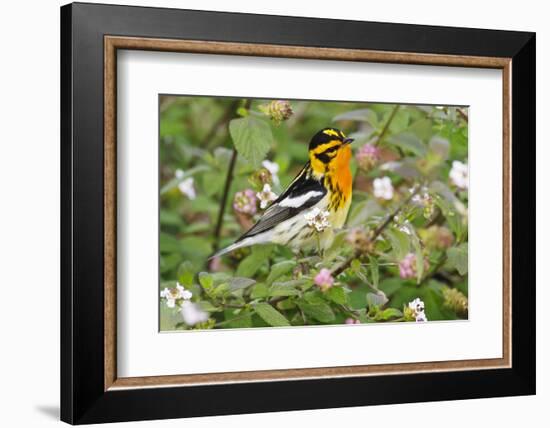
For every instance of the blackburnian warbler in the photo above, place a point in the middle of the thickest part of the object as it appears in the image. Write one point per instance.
(315, 203)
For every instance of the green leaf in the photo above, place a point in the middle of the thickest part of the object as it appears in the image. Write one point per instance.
(409, 143)
(458, 258)
(270, 315)
(239, 283)
(440, 147)
(279, 269)
(400, 121)
(205, 305)
(377, 299)
(390, 285)
(321, 311)
(282, 289)
(168, 244)
(374, 271)
(176, 181)
(337, 295)
(357, 299)
(360, 115)
(240, 320)
(250, 264)
(399, 242)
(252, 138)
(186, 271)
(206, 280)
(259, 291)
(389, 313)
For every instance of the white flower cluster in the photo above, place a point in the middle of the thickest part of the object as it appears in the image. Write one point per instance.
(417, 306)
(273, 168)
(174, 294)
(383, 188)
(317, 219)
(191, 312)
(266, 196)
(187, 186)
(459, 174)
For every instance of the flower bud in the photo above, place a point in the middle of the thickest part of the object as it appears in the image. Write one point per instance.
(260, 178)
(277, 110)
(358, 238)
(455, 301)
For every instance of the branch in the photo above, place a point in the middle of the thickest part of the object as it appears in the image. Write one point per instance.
(462, 114)
(228, 181)
(377, 231)
(224, 118)
(382, 135)
(387, 125)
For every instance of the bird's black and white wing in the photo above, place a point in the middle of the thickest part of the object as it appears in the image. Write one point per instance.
(303, 193)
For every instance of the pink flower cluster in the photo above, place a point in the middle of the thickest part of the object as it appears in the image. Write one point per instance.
(407, 266)
(368, 156)
(245, 202)
(352, 321)
(324, 279)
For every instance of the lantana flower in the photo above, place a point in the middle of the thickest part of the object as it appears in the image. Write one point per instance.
(245, 202)
(417, 309)
(192, 313)
(187, 186)
(367, 156)
(351, 321)
(324, 279)
(317, 219)
(407, 266)
(172, 295)
(383, 188)
(438, 237)
(266, 196)
(426, 202)
(459, 174)
(273, 168)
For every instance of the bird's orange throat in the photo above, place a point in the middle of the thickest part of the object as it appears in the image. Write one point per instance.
(339, 179)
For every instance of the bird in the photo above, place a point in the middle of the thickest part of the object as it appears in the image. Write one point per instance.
(323, 185)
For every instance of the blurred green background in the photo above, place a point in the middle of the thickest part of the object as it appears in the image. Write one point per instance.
(195, 143)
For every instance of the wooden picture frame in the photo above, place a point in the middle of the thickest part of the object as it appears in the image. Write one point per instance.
(91, 390)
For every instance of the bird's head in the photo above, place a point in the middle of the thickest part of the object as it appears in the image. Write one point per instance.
(329, 150)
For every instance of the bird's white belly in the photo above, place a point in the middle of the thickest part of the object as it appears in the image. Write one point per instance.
(297, 234)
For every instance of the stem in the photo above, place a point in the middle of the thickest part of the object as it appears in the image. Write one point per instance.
(462, 114)
(228, 181)
(382, 135)
(387, 125)
(377, 231)
(224, 118)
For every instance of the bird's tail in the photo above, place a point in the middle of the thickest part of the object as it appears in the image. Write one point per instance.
(240, 244)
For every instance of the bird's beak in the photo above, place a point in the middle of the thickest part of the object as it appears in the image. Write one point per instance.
(348, 140)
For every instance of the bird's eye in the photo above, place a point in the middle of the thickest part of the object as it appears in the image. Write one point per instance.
(332, 149)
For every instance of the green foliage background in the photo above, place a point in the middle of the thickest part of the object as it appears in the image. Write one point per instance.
(267, 285)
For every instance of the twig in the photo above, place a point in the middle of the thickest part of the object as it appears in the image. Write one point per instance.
(221, 121)
(377, 231)
(228, 181)
(387, 125)
(382, 135)
(462, 114)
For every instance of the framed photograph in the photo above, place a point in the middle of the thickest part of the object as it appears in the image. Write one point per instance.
(272, 213)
